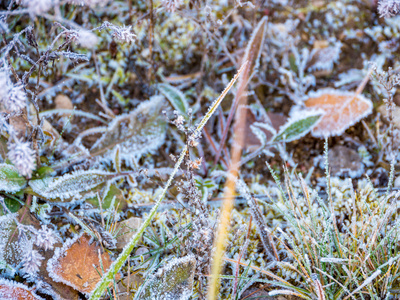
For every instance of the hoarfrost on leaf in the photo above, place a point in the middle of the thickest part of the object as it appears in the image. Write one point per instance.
(342, 110)
(79, 264)
(13, 245)
(173, 281)
(139, 132)
(69, 185)
(10, 180)
(12, 290)
(298, 125)
(324, 58)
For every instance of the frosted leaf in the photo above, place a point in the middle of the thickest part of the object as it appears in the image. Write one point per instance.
(12, 290)
(69, 185)
(13, 245)
(324, 58)
(175, 97)
(298, 125)
(139, 132)
(173, 281)
(77, 264)
(342, 110)
(10, 180)
(351, 76)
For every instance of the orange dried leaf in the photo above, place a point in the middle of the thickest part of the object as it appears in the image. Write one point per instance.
(342, 110)
(77, 264)
(16, 291)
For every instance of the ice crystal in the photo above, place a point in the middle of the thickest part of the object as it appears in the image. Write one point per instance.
(31, 262)
(388, 8)
(45, 238)
(23, 157)
(16, 99)
(124, 34)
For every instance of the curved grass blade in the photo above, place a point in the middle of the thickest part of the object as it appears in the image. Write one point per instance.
(122, 258)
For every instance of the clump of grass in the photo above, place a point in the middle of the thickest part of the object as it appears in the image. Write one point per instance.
(354, 258)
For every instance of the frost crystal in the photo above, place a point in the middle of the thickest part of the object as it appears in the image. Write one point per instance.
(45, 238)
(31, 262)
(23, 158)
(16, 99)
(388, 8)
(124, 34)
(87, 39)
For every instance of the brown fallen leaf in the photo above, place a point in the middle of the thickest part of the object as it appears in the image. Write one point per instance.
(342, 110)
(77, 264)
(60, 289)
(16, 291)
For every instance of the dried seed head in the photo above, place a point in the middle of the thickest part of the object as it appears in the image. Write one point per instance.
(4, 83)
(31, 262)
(23, 157)
(16, 99)
(45, 238)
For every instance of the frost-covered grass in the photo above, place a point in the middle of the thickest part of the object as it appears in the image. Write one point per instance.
(116, 148)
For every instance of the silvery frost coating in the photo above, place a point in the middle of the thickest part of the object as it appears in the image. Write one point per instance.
(124, 34)
(45, 238)
(69, 185)
(388, 8)
(23, 157)
(32, 261)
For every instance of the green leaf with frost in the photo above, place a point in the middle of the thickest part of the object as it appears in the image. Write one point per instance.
(298, 126)
(173, 281)
(175, 97)
(137, 133)
(10, 180)
(69, 185)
